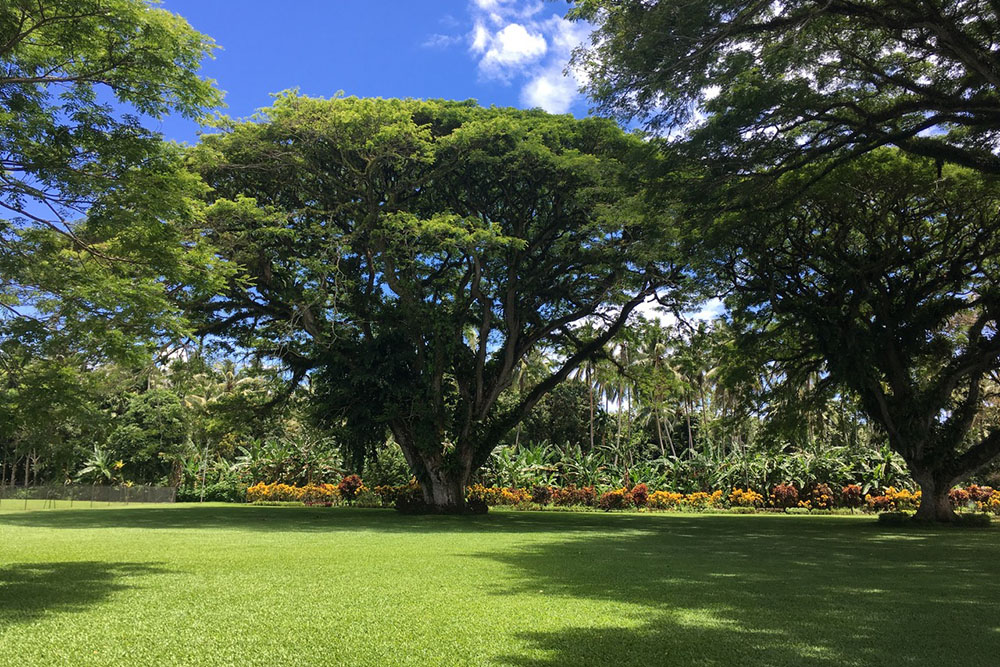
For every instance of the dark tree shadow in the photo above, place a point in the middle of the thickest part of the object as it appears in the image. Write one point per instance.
(29, 591)
(770, 591)
(312, 519)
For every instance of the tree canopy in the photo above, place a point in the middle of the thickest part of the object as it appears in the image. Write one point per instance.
(412, 253)
(763, 86)
(885, 279)
(92, 203)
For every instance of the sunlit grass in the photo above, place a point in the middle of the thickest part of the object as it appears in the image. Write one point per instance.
(234, 585)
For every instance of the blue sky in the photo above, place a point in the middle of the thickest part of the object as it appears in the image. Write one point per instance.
(502, 52)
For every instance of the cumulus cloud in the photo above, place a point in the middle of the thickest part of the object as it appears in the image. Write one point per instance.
(551, 90)
(513, 43)
(510, 48)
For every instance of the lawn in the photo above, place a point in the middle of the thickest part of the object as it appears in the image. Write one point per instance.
(245, 585)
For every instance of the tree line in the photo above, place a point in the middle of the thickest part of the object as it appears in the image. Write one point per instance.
(437, 275)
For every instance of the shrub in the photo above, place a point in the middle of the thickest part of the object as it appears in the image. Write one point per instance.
(881, 503)
(851, 496)
(367, 498)
(640, 495)
(958, 497)
(974, 520)
(390, 493)
(350, 487)
(262, 492)
(993, 504)
(743, 509)
(821, 496)
(665, 500)
(699, 500)
(320, 494)
(476, 506)
(513, 496)
(223, 491)
(784, 496)
(748, 498)
(903, 499)
(979, 494)
(615, 500)
(541, 495)
(571, 495)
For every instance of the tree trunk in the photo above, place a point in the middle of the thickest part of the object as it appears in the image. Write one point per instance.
(442, 478)
(934, 502)
(445, 492)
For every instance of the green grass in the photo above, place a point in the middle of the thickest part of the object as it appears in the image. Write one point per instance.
(235, 585)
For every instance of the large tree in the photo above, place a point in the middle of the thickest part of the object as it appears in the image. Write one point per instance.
(763, 86)
(92, 202)
(884, 279)
(408, 255)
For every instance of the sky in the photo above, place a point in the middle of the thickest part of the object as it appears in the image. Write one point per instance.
(499, 52)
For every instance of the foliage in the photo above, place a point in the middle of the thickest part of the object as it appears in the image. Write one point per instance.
(640, 495)
(762, 85)
(745, 498)
(289, 460)
(784, 495)
(616, 499)
(919, 317)
(350, 487)
(412, 288)
(152, 437)
(95, 209)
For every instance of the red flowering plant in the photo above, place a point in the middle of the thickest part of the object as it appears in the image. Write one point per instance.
(541, 495)
(785, 496)
(640, 495)
(350, 487)
(852, 496)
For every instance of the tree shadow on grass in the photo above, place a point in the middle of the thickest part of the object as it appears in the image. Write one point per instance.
(322, 519)
(29, 591)
(775, 591)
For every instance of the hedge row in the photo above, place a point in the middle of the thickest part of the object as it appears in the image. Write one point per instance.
(783, 497)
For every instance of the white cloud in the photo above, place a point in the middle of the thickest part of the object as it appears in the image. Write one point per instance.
(551, 90)
(513, 43)
(439, 41)
(510, 48)
(480, 38)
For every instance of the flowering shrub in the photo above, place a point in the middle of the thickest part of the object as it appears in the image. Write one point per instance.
(350, 487)
(881, 503)
(785, 495)
(571, 495)
(699, 500)
(541, 495)
(893, 500)
(275, 493)
(640, 495)
(514, 496)
(979, 494)
(993, 503)
(615, 500)
(320, 494)
(821, 497)
(904, 498)
(665, 500)
(748, 498)
(851, 496)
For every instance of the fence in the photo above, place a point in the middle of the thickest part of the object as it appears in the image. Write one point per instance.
(88, 494)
